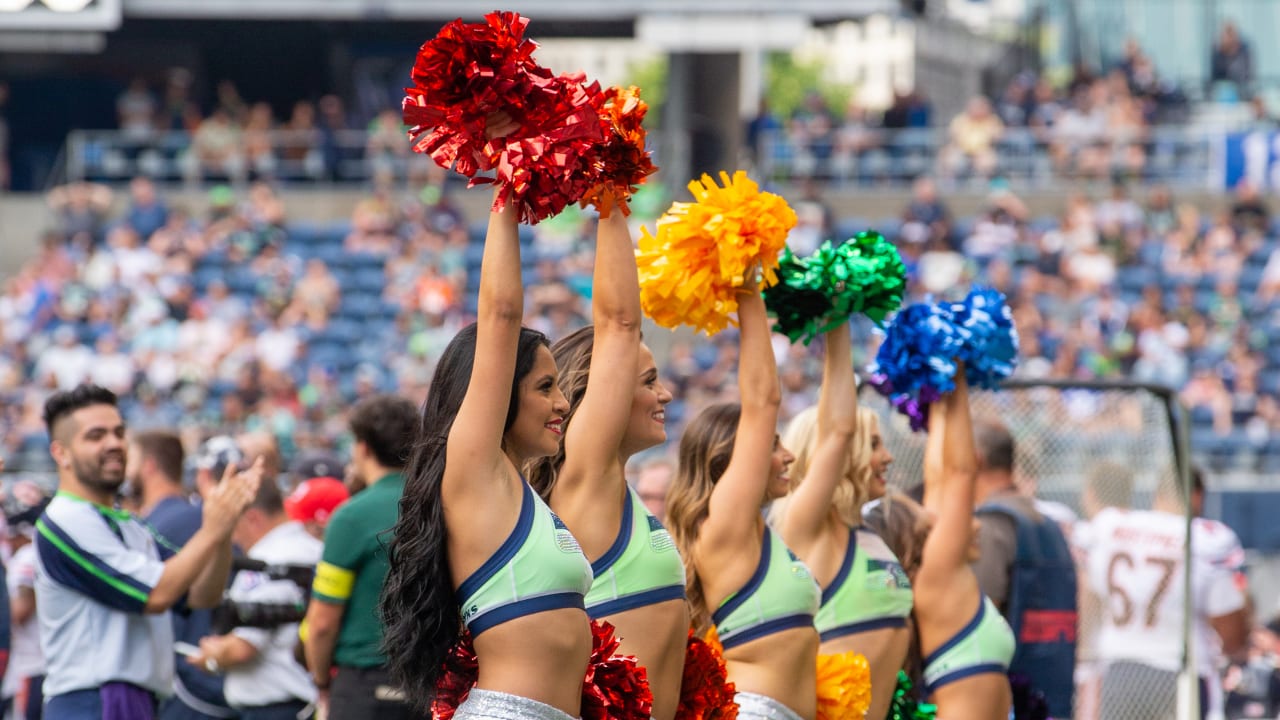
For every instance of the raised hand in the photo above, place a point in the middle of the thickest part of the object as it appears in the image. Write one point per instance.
(499, 125)
(228, 501)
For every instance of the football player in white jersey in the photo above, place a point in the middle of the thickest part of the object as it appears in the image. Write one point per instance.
(1135, 564)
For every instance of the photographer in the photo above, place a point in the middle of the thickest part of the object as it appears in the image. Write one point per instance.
(263, 681)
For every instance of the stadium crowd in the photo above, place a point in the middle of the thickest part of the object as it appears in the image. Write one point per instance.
(241, 319)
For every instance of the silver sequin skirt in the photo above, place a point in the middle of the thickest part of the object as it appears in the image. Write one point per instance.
(493, 705)
(762, 707)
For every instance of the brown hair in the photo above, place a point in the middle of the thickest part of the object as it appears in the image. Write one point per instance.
(165, 448)
(705, 450)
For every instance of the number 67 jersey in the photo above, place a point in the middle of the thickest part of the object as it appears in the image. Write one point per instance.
(1135, 565)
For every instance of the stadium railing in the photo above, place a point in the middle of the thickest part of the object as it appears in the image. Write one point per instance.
(1181, 157)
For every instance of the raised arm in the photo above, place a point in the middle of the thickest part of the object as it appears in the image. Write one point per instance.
(953, 473)
(736, 500)
(596, 430)
(475, 441)
(810, 503)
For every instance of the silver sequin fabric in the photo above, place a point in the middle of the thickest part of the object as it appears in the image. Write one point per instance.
(492, 705)
(761, 707)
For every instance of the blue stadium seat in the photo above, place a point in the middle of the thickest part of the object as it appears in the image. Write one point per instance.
(1201, 417)
(361, 305)
(370, 280)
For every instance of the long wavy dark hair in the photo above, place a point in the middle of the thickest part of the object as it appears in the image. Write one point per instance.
(418, 608)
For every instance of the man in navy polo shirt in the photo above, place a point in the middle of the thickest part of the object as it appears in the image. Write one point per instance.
(105, 583)
(154, 472)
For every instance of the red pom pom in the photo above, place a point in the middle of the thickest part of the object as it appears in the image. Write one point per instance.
(616, 687)
(461, 669)
(553, 165)
(462, 76)
(624, 162)
(705, 691)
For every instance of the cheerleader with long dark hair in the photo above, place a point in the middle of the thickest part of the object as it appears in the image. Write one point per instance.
(475, 546)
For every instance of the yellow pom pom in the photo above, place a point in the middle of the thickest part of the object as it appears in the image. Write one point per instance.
(692, 268)
(844, 686)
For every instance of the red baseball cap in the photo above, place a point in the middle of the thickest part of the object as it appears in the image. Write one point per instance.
(316, 499)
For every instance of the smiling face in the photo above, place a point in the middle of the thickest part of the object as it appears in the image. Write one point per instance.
(90, 445)
(779, 463)
(647, 426)
(881, 458)
(539, 421)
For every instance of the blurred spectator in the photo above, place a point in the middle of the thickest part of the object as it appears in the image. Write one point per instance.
(147, 213)
(300, 140)
(259, 146)
(813, 128)
(926, 217)
(313, 501)
(761, 130)
(81, 209)
(217, 148)
(1231, 64)
(1249, 211)
(971, 140)
(652, 481)
(316, 295)
(385, 147)
(66, 363)
(136, 111)
(230, 102)
(854, 137)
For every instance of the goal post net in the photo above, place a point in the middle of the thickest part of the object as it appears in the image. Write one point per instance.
(1126, 441)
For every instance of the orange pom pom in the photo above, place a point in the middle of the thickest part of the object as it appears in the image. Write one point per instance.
(844, 686)
(624, 162)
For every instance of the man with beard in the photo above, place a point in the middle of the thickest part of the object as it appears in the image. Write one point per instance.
(105, 582)
(154, 476)
(343, 629)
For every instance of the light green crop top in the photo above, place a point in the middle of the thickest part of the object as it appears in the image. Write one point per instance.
(985, 645)
(641, 568)
(539, 567)
(871, 591)
(780, 595)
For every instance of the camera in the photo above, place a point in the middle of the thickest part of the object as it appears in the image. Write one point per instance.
(232, 614)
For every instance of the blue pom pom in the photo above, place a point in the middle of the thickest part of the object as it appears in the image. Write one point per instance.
(991, 346)
(916, 364)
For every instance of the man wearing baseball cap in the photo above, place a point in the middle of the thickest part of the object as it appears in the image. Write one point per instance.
(313, 501)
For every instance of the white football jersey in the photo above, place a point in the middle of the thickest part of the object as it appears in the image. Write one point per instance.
(1135, 565)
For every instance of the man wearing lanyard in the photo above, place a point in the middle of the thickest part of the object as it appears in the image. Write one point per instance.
(342, 628)
(105, 583)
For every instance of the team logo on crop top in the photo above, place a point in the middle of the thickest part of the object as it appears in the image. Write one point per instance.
(565, 539)
(659, 539)
(886, 574)
(798, 568)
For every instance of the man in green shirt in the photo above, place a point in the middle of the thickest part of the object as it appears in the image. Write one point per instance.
(343, 634)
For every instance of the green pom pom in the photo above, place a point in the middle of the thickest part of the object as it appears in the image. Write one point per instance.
(815, 294)
(906, 707)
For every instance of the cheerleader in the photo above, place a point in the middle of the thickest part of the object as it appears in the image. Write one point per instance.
(740, 576)
(616, 409)
(474, 545)
(841, 464)
(965, 642)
